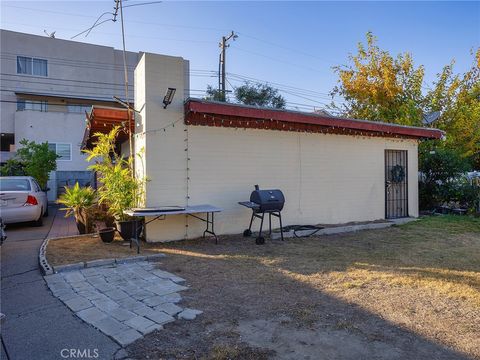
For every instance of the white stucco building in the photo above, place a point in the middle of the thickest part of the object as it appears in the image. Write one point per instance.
(331, 170)
(47, 85)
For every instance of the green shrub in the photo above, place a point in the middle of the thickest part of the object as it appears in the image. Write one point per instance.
(442, 179)
(79, 202)
(32, 159)
(38, 160)
(12, 167)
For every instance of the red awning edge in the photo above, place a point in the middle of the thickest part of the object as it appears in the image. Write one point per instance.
(210, 113)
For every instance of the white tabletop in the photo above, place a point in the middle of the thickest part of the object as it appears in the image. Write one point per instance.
(205, 208)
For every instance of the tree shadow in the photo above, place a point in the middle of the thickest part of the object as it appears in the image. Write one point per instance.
(237, 284)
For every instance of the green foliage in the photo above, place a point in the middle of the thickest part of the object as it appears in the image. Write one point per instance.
(378, 86)
(457, 98)
(79, 202)
(120, 189)
(12, 167)
(442, 179)
(37, 160)
(215, 94)
(259, 95)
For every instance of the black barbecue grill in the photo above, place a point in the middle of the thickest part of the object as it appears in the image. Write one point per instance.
(264, 202)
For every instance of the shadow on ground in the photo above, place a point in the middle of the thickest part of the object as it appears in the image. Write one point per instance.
(375, 294)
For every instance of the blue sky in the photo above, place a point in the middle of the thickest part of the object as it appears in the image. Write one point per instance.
(286, 43)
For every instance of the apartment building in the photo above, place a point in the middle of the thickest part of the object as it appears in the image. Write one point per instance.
(47, 85)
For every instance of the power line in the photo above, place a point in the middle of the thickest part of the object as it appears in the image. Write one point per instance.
(56, 79)
(130, 21)
(52, 104)
(140, 36)
(250, 78)
(323, 103)
(13, 56)
(113, 19)
(296, 51)
(84, 96)
(147, 3)
(288, 88)
(91, 28)
(276, 59)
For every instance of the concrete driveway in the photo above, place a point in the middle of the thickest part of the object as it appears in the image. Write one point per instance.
(38, 325)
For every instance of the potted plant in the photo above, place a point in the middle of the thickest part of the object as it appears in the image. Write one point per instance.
(120, 190)
(107, 234)
(78, 201)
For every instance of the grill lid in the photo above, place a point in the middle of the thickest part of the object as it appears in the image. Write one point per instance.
(268, 200)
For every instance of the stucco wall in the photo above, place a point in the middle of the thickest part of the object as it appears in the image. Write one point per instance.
(55, 128)
(325, 178)
(75, 69)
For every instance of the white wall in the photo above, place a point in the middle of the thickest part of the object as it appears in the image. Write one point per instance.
(54, 128)
(325, 178)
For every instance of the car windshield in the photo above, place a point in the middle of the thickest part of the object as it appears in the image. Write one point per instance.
(14, 185)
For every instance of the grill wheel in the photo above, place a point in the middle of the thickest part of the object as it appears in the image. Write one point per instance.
(247, 233)
(260, 240)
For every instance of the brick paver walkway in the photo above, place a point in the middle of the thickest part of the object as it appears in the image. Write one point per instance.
(63, 226)
(124, 301)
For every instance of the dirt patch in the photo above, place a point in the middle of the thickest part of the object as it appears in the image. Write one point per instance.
(85, 248)
(410, 291)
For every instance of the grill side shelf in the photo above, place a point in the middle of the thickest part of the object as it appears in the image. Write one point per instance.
(249, 204)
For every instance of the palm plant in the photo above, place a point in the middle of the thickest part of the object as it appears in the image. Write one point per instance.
(120, 189)
(79, 201)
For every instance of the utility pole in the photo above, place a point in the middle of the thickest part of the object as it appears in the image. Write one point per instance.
(221, 65)
(118, 4)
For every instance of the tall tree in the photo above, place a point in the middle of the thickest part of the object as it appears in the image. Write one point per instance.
(378, 86)
(457, 99)
(259, 95)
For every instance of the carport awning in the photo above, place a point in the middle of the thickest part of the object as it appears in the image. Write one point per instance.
(102, 119)
(212, 113)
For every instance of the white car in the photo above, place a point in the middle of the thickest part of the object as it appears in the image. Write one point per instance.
(21, 200)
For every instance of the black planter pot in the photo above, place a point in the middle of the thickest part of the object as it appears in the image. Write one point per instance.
(107, 234)
(127, 228)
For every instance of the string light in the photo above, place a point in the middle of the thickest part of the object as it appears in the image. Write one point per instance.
(164, 129)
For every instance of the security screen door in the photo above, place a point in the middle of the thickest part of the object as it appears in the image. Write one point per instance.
(396, 184)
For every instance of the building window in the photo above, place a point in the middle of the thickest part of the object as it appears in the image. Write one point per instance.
(32, 105)
(63, 150)
(31, 66)
(78, 108)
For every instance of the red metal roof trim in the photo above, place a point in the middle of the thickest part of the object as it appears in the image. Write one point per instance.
(207, 113)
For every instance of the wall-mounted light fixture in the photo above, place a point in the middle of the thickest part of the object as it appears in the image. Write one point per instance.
(167, 100)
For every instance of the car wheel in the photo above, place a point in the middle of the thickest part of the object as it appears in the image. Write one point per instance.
(46, 213)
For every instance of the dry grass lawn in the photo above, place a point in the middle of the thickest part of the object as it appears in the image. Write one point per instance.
(411, 291)
(84, 248)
